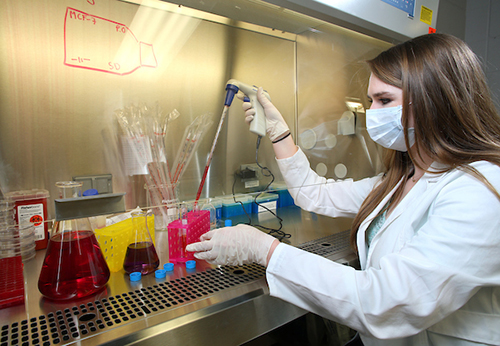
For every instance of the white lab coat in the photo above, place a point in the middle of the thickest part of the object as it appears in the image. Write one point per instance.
(431, 275)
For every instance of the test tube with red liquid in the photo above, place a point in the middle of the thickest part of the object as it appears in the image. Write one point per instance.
(183, 229)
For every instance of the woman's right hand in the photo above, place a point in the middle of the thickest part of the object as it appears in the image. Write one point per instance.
(276, 126)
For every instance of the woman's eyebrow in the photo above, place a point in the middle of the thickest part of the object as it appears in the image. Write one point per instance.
(379, 94)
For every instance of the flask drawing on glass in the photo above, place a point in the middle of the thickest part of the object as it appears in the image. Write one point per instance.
(99, 44)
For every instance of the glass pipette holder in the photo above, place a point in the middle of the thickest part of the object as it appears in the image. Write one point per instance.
(180, 234)
(164, 210)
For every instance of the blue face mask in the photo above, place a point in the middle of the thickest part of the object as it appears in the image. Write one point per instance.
(385, 128)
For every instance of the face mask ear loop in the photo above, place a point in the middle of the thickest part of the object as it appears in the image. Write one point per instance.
(405, 125)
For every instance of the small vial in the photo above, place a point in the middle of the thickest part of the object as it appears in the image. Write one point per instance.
(217, 203)
(182, 231)
(184, 214)
(213, 217)
(196, 209)
(182, 243)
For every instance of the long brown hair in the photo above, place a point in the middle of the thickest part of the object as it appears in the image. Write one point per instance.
(455, 120)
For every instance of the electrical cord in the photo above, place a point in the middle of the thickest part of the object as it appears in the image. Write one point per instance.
(266, 172)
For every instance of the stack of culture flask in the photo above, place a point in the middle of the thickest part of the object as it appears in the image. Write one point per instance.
(15, 240)
(11, 265)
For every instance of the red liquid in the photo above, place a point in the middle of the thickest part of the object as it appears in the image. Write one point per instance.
(202, 183)
(141, 257)
(74, 266)
(182, 236)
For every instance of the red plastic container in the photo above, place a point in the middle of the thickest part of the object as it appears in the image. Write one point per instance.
(11, 282)
(31, 207)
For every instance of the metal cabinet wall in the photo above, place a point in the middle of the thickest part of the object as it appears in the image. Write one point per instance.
(57, 112)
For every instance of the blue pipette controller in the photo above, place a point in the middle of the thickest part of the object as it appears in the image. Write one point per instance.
(258, 124)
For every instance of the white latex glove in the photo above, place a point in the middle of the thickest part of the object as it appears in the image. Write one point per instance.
(276, 126)
(237, 245)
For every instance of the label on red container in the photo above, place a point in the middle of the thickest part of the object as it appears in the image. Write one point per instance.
(32, 213)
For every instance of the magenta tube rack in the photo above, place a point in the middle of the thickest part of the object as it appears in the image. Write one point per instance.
(181, 234)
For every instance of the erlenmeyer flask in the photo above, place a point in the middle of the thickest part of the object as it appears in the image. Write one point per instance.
(141, 254)
(74, 266)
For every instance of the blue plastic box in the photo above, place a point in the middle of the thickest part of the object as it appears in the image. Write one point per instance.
(269, 200)
(231, 208)
(285, 199)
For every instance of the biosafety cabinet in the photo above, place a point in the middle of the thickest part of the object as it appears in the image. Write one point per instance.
(68, 66)
(71, 69)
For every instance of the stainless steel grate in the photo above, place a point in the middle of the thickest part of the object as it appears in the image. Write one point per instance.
(328, 245)
(81, 321)
(78, 322)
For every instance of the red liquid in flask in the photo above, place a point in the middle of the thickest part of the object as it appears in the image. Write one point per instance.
(74, 266)
(141, 257)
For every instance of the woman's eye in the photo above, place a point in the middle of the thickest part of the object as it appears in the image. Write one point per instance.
(385, 101)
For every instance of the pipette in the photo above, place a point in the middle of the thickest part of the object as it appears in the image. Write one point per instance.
(257, 126)
(209, 159)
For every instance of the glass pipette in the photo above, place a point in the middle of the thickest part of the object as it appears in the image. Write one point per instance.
(209, 159)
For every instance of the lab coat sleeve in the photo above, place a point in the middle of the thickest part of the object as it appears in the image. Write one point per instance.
(453, 254)
(341, 198)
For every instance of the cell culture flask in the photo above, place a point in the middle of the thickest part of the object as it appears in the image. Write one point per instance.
(141, 254)
(74, 266)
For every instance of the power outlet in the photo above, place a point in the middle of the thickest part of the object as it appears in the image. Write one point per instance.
(250, 175)
(102, 183)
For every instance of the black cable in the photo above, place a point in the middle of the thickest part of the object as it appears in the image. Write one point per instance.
(240, 202)
(266, 172)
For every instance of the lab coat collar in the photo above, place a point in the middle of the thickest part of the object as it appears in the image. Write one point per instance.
(436, 170)
(432, 176)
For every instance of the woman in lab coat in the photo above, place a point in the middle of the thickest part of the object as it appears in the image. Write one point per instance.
(427, 231)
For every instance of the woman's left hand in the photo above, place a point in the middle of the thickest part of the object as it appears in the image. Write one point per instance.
(235, 245)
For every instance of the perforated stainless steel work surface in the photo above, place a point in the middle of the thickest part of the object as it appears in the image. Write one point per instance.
(80, 321)
(226, 305)
(328, 245)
